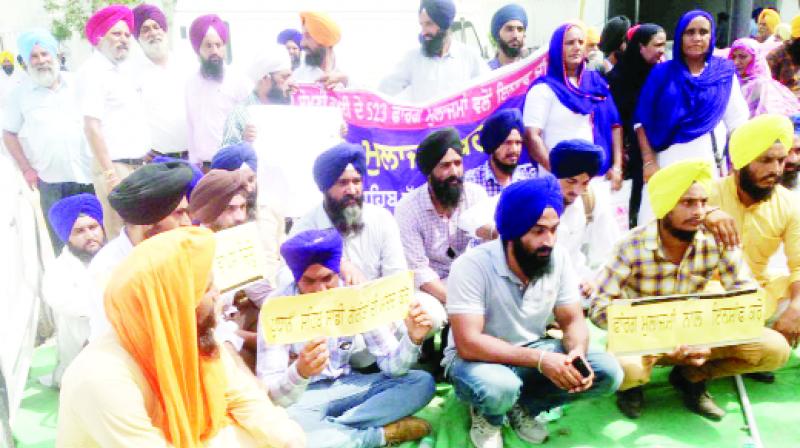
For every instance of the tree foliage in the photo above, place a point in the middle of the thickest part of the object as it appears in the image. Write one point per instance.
(69, 16)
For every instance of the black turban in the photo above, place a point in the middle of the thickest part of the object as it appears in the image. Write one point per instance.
(151, 192)
(435, 146)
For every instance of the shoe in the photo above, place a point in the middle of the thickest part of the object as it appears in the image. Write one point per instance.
(630, 402)
(484, 434)
(695, 396)
(527, 427)
(761, 377)
(406, 429)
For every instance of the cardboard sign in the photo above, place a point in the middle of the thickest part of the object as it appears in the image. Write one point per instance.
(341, 311)
(240, 258)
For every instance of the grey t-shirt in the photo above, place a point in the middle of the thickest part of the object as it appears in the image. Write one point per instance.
(481, 283)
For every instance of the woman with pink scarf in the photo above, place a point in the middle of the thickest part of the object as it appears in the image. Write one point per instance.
(763, 93)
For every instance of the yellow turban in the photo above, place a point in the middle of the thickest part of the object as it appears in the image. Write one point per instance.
(783, 31)
(592, 36)
(796, 27)
(751, 139)
(771, 18)
(7, 56)
(669, 184)
(321, 28)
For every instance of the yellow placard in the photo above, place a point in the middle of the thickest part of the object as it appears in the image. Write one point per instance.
(659, 324)
(337, 312)
(240, 258)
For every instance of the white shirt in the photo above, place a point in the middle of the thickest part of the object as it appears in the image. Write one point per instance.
(67, 287)
(109, 93)
(163, 92)
(10, 82)
(419, 78)
(376, 251)
(543, 110)
(100, 270)
(49, 125)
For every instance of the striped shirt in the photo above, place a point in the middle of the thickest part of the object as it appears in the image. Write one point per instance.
(639, 268)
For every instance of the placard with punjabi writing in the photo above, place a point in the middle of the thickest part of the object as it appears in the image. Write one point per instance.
(240, 257)
(660, 324)
(337, 312)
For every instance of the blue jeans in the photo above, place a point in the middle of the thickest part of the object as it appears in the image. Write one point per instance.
(492, 389)
(349, 412)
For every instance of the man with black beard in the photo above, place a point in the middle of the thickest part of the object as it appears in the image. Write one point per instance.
(791, 167)
(509, 24)
(784, 61)
(213, 92)
(441, 65)
(67, 284)
(501, 296)
(320, 35)
(677, 254)
(372, 243)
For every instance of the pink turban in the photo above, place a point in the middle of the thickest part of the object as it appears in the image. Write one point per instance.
(200, 27)
(105, 19)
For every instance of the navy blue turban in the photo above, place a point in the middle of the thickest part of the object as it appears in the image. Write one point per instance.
(435, 146)
(522, 203)
(231, 158)
(497, 127)
(442, 12)
(331, 164)
(151, 192)
(570, 158)
(196, 173)
(65, 212)
(506, 14)
(290, 35)
(323, 247)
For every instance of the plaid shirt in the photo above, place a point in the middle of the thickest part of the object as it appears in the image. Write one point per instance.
(276, 368)
(237, 120)
(784, 69)
(640, 269)
(484, 176)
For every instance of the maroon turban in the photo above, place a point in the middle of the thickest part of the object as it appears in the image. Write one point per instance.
(200, 27)
(143, 12)
(105, 19)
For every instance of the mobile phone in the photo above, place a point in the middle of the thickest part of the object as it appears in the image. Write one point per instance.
(581, 367)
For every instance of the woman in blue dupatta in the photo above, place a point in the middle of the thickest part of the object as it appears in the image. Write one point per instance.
(571, 102)
(688, 105)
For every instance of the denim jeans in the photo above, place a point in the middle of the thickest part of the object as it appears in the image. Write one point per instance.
(349, 412)
(49, 194)
(492, 389)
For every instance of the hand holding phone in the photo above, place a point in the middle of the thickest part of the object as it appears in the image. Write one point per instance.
(581, 367)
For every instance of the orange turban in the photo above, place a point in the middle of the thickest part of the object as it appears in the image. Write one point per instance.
(151, 303)
(321, 28)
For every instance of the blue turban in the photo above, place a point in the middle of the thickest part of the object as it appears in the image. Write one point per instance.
(231, 158)
(290, 35)
(522, 203)
(497, 127)
(572, 157)
(796, 123)
(196, 173)
(40, 37)
(506, 14)
(442, 12)
(65, 212)
(323, 247)
(331, 164)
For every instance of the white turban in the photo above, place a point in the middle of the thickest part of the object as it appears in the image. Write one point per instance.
(272, 60)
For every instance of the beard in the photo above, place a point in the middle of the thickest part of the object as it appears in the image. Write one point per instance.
(683, 235)
(794, 50)
(314, 57)
(276, 95)
(789, 177)
(155, 49)
(9, 69)
(295, 61)
(85, 256)
(44, 75)
(448, 191)
(507, 168)
(206, 344)
(748, 184)
(345, 214)
(534, 264)
(435, 45)
(508, 50)
(212, 68)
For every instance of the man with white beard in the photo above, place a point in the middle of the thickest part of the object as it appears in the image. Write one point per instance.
(43, 127)
(163, 83)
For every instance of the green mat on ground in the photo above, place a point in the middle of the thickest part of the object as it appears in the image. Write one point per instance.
(587, 423)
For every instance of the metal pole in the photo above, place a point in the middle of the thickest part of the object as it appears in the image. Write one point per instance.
(636, 13)
(748, 412)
